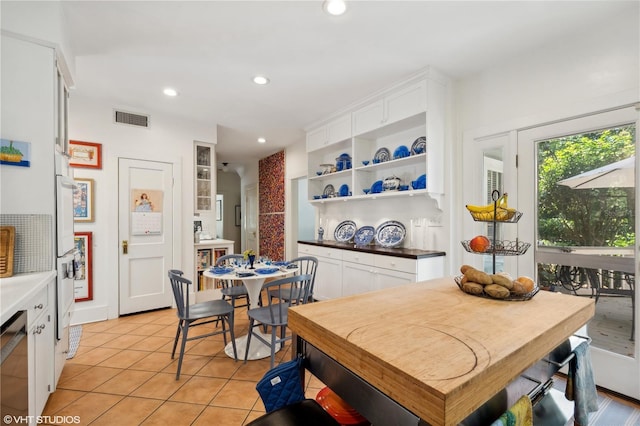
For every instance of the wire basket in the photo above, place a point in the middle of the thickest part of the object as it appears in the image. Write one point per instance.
(501, 248)
(511, 298)
(502, 215)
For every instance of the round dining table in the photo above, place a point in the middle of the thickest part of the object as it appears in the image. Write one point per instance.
(252, 279)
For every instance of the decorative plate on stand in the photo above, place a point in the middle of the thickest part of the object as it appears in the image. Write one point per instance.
(390, 233)
(382, 155)
(364, 236)
(345, 231)
(329, 191)
(419, 146)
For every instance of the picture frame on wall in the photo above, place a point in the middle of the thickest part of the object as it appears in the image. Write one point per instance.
(238, 217)
(218, 210)
(85, 154)
(83, 196)
(83, 284)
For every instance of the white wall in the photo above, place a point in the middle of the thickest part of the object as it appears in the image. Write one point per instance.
(167, 139)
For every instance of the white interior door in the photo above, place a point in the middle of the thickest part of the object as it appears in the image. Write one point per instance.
(569, 228)
(146, 214)
(251, 218)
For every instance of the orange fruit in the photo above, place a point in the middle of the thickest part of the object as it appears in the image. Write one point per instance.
(480, 244)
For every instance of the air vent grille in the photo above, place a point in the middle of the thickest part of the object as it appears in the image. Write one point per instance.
(132, 119)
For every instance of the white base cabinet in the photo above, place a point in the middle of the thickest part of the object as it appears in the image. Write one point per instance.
(344, 272)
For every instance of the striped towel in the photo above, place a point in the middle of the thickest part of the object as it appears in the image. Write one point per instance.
(520, 414)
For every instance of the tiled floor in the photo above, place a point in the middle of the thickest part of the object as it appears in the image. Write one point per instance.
(123, 374)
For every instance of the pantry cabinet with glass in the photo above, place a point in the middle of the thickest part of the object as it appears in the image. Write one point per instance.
(205, 172)
(396, 134)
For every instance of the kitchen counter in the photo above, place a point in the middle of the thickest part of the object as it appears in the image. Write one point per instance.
(387, 251)
(217, 241)
(433, 350)
(16, 290)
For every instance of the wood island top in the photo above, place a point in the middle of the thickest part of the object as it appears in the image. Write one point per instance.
(435, 350)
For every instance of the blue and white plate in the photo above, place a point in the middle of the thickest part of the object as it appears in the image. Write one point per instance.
(390, 234)
(401, 152)
(220, 270)
(382, 155)
(420, 183)
(281, 263)
(244, 274)
(364, 235)
(419, 146)
(344, 190)
(377, 187)
(345, 231)
(329, 191)
(266, 271)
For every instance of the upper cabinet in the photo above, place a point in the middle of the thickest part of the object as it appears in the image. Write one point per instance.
(205, 172)
(335, 131)
(397, 133)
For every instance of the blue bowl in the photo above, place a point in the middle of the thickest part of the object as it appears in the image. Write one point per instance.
(319, 173)
(403, 187)
(365, 162)
(366, 190)
(316, 197)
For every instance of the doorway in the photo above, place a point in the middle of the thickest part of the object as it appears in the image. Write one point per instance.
(585, 233)
(146, 234)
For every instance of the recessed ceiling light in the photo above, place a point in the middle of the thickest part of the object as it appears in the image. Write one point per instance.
(334, 7)
(262, 140)
(260, 79)
(170, 92)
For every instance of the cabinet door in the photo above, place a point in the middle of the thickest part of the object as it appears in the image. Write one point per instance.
(205, 177)
(368, 118)
(328, 283)
(317, 138)
(387, 278)
(357, 278)
(405, 102)
(40, 373)
(339, 129)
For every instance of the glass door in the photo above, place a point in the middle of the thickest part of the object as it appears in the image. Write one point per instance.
(581, 212)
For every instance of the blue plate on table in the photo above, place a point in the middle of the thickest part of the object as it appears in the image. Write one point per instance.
(266, 271)
(376, 188)
(364, 235)
(244, 274)
(281, 263)
(218, 270)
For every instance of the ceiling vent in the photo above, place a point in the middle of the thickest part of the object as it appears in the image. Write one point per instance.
(131, 119)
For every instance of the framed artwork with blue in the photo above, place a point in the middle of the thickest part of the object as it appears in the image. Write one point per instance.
(83, 200)
(14, 153)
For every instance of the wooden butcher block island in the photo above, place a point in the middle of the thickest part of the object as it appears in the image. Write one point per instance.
(434, 350)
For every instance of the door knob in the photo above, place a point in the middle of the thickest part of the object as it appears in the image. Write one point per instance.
(125, 247)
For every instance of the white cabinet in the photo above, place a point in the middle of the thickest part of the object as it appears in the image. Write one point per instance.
(41, 348)
(335, 131)
(205, 174)
(368, 118)
(346, 272)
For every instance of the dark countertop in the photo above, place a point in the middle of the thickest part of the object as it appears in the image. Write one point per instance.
(387, 251)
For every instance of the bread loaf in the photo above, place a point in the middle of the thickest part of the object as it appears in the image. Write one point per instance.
(472, 288)
(497, 291)
(477, 276)
(502, 280)
(465, 268)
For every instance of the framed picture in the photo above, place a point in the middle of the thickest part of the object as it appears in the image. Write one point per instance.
(238, 216)
(83, 200)
(83, 285)
(85, 154)
(15, 153)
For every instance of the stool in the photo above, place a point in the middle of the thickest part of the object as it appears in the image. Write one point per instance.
(306, 412)
(339, 409)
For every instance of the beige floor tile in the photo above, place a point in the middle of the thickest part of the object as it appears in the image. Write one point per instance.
(98, 327)
(209, 346)
(123, 342)
(191, 364)
(174, 414)
(88, 407)
(146, 329)
(154, 361)
(71, 370)
(221, 416)
(123, 328)
(253, 415)
(124, 359)
(125, 382)
(60, 399)
(152, 343)
(160, 386)
(199, 390)
(89, 379)
(95, 339)
(236, 394)
(93, 357)
(220, 366)
(252, 370)
(168, 330)
(129, 411)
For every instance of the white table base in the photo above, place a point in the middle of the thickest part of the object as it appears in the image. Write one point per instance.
(258, 350)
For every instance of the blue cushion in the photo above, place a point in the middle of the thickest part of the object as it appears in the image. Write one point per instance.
(282, 385)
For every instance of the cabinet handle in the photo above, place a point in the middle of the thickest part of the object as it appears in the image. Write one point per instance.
(39, 306)
(125, 247)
